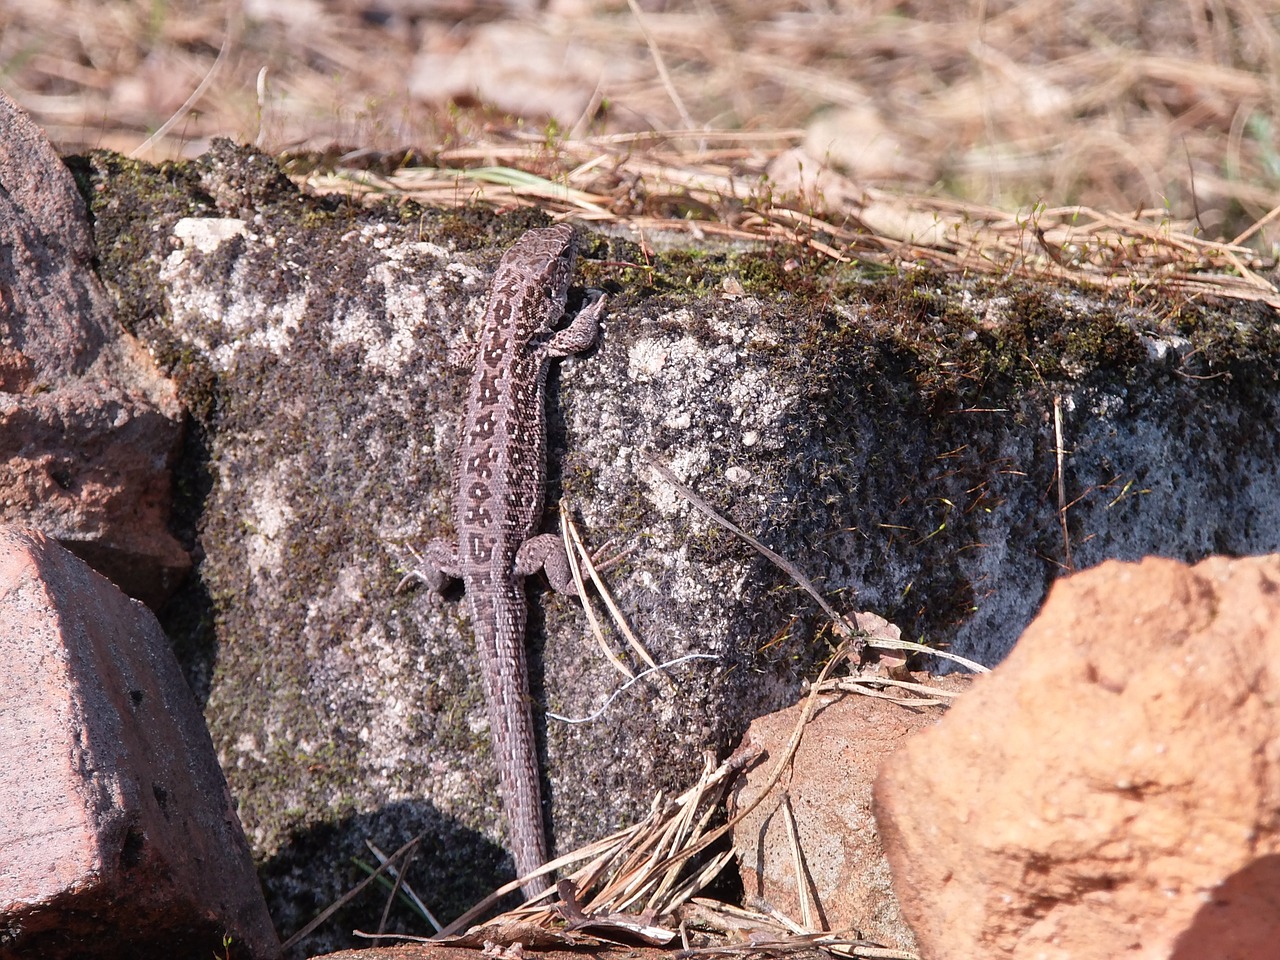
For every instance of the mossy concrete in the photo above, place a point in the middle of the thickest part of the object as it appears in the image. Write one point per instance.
(892, 433)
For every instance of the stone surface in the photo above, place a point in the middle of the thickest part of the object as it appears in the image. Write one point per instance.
(1111, 789)
(118, 837)
(434, 951)
(892, 435)
(828, 788)
(88, 429)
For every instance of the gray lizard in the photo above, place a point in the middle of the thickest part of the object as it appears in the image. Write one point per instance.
(498, 498)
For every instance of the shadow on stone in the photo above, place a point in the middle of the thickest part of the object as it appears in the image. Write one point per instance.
(452, 869)
(1241, 918)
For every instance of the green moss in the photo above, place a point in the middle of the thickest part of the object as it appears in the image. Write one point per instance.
(921, 380)
(130, 204)
(930, 363)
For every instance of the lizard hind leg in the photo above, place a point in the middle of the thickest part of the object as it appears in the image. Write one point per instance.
(546, 552)
(437, 564)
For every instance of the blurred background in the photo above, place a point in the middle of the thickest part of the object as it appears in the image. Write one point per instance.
(1115, 104)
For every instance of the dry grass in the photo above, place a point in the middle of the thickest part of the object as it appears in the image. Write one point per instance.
(1166, 111)
(1115, 106)
(638, 886)
(734, 191)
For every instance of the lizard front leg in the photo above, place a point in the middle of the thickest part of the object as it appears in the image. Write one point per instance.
(580, 334)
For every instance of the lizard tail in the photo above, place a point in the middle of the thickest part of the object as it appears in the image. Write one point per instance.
(512, 733)
(522, 801)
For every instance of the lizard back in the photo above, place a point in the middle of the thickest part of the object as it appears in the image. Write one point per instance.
(501, 468)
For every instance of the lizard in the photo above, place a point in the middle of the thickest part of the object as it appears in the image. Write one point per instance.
(498, 497)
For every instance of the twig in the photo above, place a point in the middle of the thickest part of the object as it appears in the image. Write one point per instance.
(797, 863)
(577, 553)
(634, 680)
(573, 548)
(233, 11)
(1062, 484)
(330, 910)
(405, 888)
(775, 775)
(780, 561)
(855, 634)
(661, 65)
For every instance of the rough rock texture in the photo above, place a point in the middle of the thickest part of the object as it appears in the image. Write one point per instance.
(88, 428)
(435, 951)
(1111, 789)
(118, 837)
(893, 436)
(828, 789)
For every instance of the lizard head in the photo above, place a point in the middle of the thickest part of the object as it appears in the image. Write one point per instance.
(533, 277)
